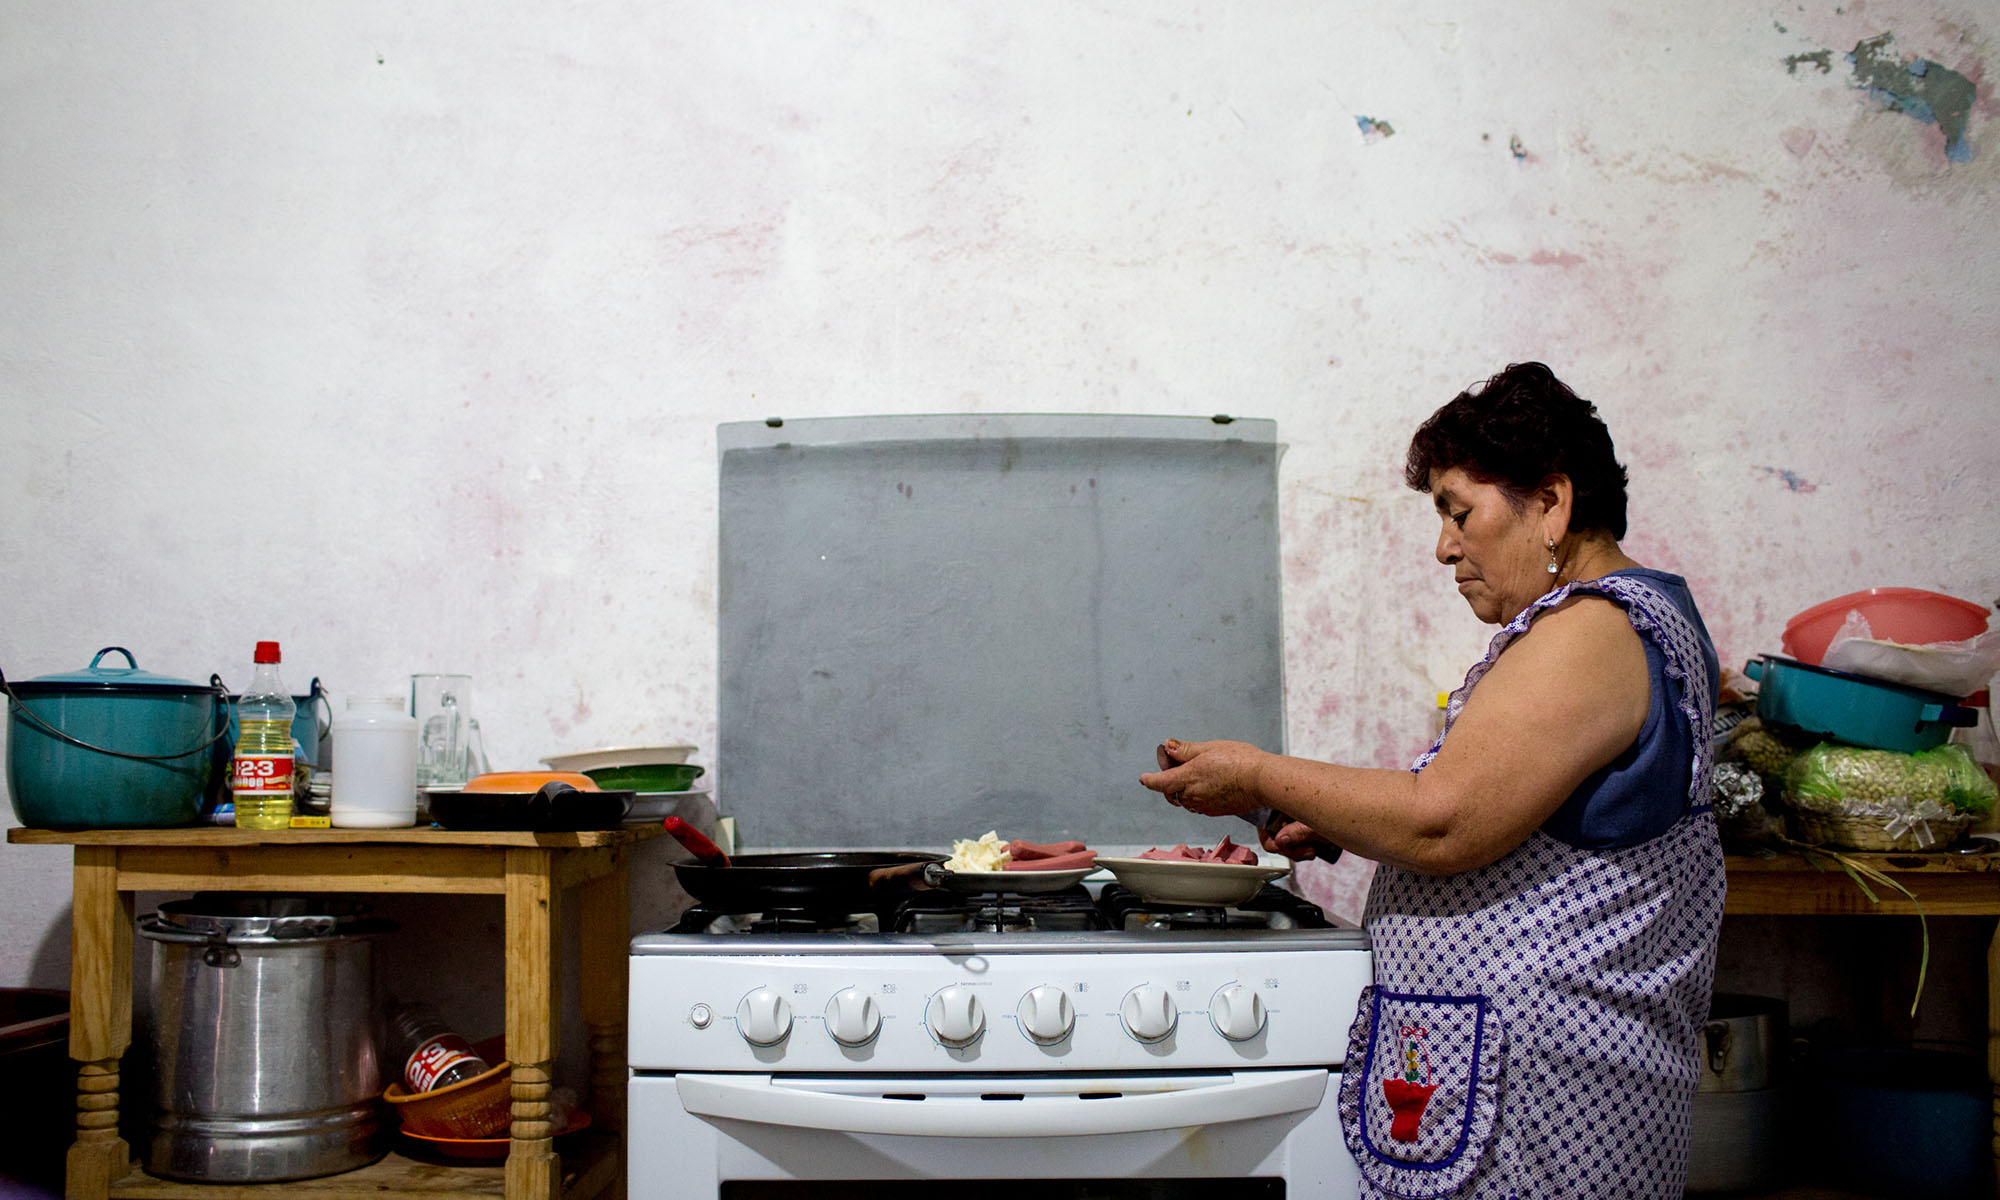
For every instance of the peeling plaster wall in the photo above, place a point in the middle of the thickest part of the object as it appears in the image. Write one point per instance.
(400, 333)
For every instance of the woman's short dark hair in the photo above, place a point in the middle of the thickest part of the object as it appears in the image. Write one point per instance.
(1515, 431)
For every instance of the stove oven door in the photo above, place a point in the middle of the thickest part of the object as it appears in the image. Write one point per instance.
(1272, 1133)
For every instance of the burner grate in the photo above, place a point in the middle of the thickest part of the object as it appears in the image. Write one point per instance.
(1068, 911)
(1271, 908)
(700, 920)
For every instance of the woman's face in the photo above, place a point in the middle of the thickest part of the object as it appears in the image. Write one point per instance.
(1497, 553)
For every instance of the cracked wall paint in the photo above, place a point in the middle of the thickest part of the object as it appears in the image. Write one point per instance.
(1919, 88)
(1927, 91)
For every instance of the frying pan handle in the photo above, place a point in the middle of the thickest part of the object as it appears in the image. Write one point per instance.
(691, 839)
(543, 802)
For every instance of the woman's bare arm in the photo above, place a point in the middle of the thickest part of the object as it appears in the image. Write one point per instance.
(1564, 699)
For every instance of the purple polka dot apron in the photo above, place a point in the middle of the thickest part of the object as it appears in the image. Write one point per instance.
(1531, 1030)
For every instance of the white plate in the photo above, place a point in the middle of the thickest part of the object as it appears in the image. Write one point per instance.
(1021, 883)
(1163, 881)
(618, 756)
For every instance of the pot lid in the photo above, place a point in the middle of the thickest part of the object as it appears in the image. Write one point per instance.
(102, 677)
(278, 918)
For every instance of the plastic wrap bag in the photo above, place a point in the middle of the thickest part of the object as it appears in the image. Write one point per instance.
(1766, 749)
(1924, 794)
(1947, 668)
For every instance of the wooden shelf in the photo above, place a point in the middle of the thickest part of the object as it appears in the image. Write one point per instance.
(589, 1170)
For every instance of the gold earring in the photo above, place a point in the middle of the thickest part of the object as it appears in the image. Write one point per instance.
(1552, 555)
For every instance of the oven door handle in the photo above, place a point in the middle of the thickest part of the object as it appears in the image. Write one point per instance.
(999, 1108)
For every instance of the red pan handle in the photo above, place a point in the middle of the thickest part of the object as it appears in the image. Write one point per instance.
(697, 845)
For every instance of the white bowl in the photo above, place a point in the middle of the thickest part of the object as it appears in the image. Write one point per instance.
(650, 808)
(618, 756)
(1165, 881)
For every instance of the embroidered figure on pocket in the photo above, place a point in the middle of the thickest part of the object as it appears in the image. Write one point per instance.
(1410, 1093)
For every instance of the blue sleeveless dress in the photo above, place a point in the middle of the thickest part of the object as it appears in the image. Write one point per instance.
(1531, 1030)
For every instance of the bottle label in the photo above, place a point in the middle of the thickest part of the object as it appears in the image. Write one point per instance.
(434, 1058)
(262, 774)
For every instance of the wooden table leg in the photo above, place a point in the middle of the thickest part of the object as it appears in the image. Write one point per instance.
(606, 918)
(533, 1172)
(1993, 1035)
(100, 1020)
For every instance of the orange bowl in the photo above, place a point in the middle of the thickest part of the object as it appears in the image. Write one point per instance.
(480, 1107)
(522, 782)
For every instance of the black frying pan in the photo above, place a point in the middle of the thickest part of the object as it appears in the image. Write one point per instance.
(555, 807)
(813, 881)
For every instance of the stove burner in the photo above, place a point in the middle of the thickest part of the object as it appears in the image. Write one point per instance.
(1069, 910)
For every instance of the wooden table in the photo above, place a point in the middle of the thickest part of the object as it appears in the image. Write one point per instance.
(531, 870)
(1794, 883)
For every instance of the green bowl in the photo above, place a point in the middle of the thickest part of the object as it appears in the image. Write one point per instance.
(652, 777)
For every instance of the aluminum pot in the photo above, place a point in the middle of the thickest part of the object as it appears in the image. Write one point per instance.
(265, 1035)
(1741, 1042)
(110, 747)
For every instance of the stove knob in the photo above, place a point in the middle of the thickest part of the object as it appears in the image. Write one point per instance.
(1238, 1012)
(956, 1016)
(1045, 1014)
(764, 1018)
(1149, 1013)
(852, 1018)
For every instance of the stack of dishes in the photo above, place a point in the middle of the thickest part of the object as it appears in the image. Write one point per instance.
(661, 777)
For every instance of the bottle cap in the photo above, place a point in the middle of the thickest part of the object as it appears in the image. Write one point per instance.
(267, 652)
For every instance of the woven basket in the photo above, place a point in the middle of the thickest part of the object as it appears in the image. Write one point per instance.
(1866, 833)
(480, 1107)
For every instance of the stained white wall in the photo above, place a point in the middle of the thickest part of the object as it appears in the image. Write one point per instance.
(399, 332)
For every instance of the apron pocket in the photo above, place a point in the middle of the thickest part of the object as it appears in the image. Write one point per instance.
(1419, 1095)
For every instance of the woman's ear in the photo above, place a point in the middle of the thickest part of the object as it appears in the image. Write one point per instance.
(1557, 498)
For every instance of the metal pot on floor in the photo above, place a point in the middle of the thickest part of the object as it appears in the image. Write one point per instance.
(1738, 1135)
(265, 1038)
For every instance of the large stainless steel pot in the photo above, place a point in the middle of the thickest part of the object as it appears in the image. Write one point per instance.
(265, 1035)
(1740, 1043)
(1737, 1128)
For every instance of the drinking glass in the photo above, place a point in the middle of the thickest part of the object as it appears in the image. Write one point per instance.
(442, 706)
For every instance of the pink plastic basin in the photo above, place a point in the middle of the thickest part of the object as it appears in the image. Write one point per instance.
(1909, 616)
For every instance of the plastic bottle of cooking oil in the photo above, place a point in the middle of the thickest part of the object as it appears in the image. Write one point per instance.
(261, 774)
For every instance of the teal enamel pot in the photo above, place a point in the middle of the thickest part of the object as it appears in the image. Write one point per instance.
(1854, 708)
(110, 747)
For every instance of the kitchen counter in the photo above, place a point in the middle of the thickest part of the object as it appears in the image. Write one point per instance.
(532, 871)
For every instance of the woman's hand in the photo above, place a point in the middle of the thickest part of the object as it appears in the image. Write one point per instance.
(1215, 779)
(1296, 841)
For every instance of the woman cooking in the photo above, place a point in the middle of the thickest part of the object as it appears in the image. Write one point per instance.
(1545, 912)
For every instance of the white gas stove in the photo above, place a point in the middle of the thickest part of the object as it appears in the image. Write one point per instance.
(1159, 1048)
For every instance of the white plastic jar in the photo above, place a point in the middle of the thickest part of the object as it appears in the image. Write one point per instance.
(374, 764)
